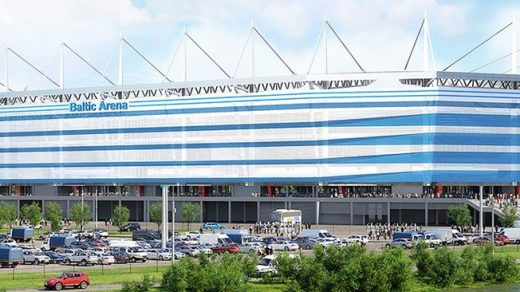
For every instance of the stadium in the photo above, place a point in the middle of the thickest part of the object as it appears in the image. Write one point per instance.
(351, 148)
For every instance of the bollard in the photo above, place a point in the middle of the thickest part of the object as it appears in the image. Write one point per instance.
(157, 265)
(130, 267)
(102, 269)
(13, 272)
(44, 270)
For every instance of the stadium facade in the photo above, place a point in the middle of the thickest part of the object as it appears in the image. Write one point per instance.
(334, 146)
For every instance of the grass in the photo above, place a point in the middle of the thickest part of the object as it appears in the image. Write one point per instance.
(108, 276)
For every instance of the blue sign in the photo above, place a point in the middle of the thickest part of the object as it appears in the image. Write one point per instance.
(88, 106)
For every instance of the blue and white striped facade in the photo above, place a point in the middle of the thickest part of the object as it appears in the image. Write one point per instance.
(360, 135)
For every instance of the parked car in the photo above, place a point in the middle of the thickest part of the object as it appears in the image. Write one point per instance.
(35, 257)
(68, 279)
(305, 242)
(212, 225)
(266, 265)
(82, 258)
(503, 238)
(137, 254)
(106, 259)
(252, 247)
(223, 248)
(120, 257)
(9, 242)
(284, 245)
(400, 242)
(192, 251)
(359, 239)
(482, 240)
(130, 227)
(99, 232)
(159, 254)
(55, 258)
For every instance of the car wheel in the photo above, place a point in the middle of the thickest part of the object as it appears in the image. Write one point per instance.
(67, 262)
(36, 261)
(83, 262)
(286, 248)
(133, 260)
(58, 286)
(308, 247)
(161, 258)
(83, 285)
(43, 248)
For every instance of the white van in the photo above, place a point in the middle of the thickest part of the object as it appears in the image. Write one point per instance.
(212, 239)
(512, 233)
(318, 233)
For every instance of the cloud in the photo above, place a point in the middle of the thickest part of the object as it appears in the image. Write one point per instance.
(379, 33)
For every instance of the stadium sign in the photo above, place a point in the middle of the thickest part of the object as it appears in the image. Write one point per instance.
(88, 106)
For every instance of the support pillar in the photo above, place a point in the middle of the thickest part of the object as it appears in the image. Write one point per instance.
(351, 213)
(481, 215)
(201, 212)
(257, 210)
(229, 212)
(164, 236)
(68, 208)
(426, 214)
(317, 213)
(388, 213)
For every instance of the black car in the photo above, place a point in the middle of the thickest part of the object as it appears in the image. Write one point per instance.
(130, 227)
(145, 235)
(120, 257)
(55, 257)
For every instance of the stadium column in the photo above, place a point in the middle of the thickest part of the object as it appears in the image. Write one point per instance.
(164, 216)
(426, 214)
(388, 213)
(481, 215)
(257, 211)
(352, 213)
(201, 211)
(229, 212)
(317, 213)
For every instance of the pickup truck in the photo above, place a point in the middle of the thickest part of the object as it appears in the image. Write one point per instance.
(82, 258)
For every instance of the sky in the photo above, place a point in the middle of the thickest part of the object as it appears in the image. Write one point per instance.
(379, 33)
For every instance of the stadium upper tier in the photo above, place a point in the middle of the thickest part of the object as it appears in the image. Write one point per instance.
(382, 130)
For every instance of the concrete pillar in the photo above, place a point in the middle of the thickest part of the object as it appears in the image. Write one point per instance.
(437, 217)
(388, 212)
(164, 216)
(351, 213)
(229, 212)
(201, 212)
(317, 213)
(481, 215)
(68, 209)
(257, 210)
(400, 216)
(18, 208)
(43, 208)
(426, 214)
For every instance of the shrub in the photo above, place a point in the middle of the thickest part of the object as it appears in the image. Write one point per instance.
(444, 267)
(423, 261)
(398, 267)
(502, 269)
(139, 286)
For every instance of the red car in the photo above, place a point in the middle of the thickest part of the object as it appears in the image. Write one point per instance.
(502, 238)
(482, 240)
(67, 279)
(231, 248)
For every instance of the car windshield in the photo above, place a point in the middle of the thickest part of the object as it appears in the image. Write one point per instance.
(265, 262)
(60, 275)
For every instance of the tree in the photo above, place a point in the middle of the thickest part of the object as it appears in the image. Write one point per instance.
(8, 215)
(189, 212)
(460, 215)
(120, 216)
(53, 213)
(156, 214)
(510, 216)
(32, 213)
(80, 214)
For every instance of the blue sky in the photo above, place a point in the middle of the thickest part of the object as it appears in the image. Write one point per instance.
(380, 34)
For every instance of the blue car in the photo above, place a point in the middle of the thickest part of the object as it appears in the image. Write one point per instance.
(212, 225)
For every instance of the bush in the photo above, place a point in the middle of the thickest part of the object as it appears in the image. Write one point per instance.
(139, 286)
(398, 267)
(225, 273)
(423, 261)
(502, 269)
(444, 267)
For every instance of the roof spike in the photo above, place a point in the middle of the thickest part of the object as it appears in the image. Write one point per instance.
(513, 47)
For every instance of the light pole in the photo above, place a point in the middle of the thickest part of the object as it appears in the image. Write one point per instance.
(96, 214)
(481, 215)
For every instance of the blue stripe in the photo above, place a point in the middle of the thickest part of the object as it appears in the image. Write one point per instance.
(418, 176)
(411, 139)
(253, 108)
(404, 158)
(457, 120)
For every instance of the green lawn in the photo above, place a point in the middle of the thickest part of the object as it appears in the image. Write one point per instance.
(108, 276)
